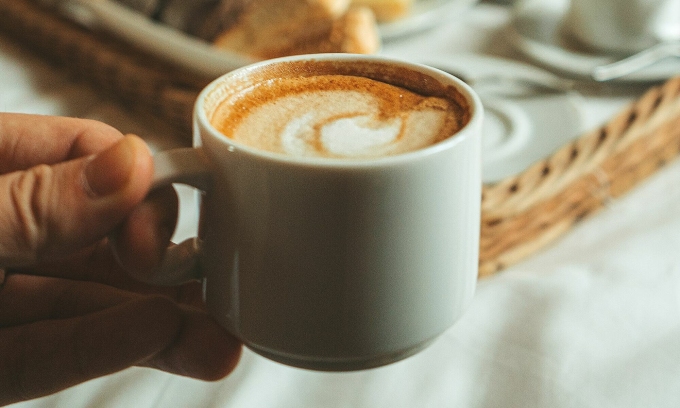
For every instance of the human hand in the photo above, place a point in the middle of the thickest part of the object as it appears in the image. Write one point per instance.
(68, 313)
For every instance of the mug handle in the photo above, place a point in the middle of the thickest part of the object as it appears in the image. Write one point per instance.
(188, 166)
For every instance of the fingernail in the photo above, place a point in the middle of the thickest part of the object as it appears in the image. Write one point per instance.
(110, 170)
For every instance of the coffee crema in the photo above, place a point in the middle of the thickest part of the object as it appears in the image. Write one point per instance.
(337, 116)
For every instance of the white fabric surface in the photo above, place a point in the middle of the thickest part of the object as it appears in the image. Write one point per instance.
(591, 321)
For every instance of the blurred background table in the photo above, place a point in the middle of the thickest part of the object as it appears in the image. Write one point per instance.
(592, 320)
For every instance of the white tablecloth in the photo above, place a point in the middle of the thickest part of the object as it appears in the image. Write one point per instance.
(591, 321)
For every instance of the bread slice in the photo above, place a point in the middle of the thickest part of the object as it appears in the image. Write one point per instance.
(355, 32)
(271, 28)
(387, 10)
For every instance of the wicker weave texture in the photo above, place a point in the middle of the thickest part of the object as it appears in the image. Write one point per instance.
(523, 213)
(112, 67)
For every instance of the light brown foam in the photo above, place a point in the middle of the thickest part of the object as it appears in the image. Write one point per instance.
(259, 112)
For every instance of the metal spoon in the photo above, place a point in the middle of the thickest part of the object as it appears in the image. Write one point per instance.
(512, 85)
(636, 62)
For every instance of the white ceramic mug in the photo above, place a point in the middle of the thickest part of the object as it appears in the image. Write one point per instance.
(332, 264)
(623, 26)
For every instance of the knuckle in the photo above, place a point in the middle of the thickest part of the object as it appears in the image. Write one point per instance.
(29, 193)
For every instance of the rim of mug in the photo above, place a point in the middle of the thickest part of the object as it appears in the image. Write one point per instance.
(473, 100)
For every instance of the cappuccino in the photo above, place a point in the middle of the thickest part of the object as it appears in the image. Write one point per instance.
(298, 254)
(335, 116)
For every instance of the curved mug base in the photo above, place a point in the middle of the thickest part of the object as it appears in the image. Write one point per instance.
(340, 364)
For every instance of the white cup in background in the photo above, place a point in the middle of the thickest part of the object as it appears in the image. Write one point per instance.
(623, 26)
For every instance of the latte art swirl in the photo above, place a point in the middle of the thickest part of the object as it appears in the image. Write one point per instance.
(335, 116)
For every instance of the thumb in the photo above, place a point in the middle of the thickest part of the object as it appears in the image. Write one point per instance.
(47, 211)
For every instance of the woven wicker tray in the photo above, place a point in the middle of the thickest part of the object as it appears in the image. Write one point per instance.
(520, 214)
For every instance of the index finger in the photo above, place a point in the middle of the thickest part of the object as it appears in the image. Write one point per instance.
(27, 140)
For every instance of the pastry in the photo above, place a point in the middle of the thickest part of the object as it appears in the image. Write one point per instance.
(387, 10)
(274, 28)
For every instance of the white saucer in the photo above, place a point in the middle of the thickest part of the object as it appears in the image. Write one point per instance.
(200, 56)
(518, 131)
(535, 30)
(425, 14)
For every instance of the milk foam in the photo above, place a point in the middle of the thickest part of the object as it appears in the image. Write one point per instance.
(318, 119)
